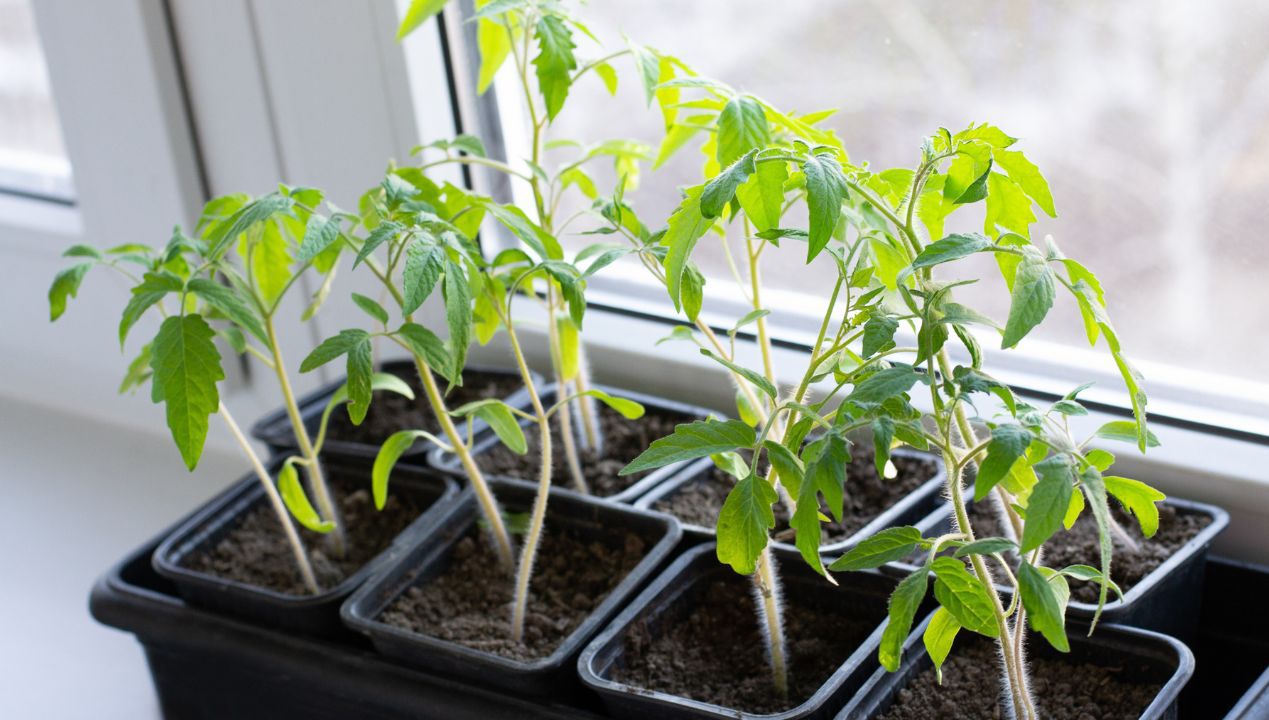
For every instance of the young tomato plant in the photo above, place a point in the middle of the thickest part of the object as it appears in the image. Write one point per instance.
(419, 234)
(244, 257)
(760, 162)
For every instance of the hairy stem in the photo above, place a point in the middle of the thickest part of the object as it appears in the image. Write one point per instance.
(313, 467)
(592, 432)
(767, 585)
(275, 500)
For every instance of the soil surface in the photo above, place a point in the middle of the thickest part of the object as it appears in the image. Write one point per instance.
(1079, 545)
(1063, 690)
(699, 501)
(470, 603)
(256, 550)
(623, 441)
(390, 412)
(715, 652)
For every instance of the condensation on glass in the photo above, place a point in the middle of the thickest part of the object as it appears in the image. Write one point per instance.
(1149, 119)
(33, 160)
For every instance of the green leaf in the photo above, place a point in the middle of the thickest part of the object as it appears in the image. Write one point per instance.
(882, 438)
(1008, 207)
(494, 43)
(514, 219)
(964, 597)
(89, 251)
(879, 333)
(424, 263)
(426, 345)
(886, 546)
(1027, 176)
(186, 369)
(1095, 491)
(1043, 609)
(762, 196)
(722, 189)
(498, 416)
(1032, 296)
(1091, 574)
(360, 365)
(383, 233)
(270, 262)
(554, 63)
(742, 126)
(1049, 501)
(319, 234)
(458, 317)
(628, 409)
(371, 307)
(938, 638)
(246, 217)
(1125, 431)
(985, 546)
(391, 451)
(65, 285)
(952, 247)
(1008, 444)
(756, 378)
(683, 229)
(297, 501)
(138, 371)
(785, 465)
(825, 190)
(570, 347)
(1140, 500)
(333, 347)
(883, 385)
(904, 601)
(693, 440)
(743, 523)
(228, 302)
(153, 288)
(693, 293)
(825, 474)
(420, 11)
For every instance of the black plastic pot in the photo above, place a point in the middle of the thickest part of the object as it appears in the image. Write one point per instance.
(486, 439)
(206, 665)
(317, 614)
(1159, 658)
(669, 598)
(1167, 600)
(1231, 647)
(916, 505)
(274, 429)
(553, 675)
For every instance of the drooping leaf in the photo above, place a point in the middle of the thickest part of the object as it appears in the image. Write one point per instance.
(1032, 296)
(1049, 501)
(684, 228)
(391, 451)
(938, 638)
(1043, 609)
(296, 501)
(186, 366)
(499, 417)
(424, 263)
(425, 344)
(904, 601)
(153, 288)
(627, 408)
(360, 367)
(879, 333)
(825, 190)
(1027, 177)
(458, 317)
(693, 440)
(333, 347)
(319, 234)
(65, 285)
(231, 304)
(722, 189)
(762, 195)
(743, 523)
(755, 378)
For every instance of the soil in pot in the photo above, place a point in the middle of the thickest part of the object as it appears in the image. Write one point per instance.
(470, 602)
(1063, 689)
(255, 551)
(390, 412)
(715, 652)
(699, 501)
(1079, 545)
(623, 441)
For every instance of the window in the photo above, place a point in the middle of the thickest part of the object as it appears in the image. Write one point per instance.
(1151, 122)
(33, 160)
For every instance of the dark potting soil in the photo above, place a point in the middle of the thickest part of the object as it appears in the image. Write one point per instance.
(715, 652)
(256, 550)
(699, 501)
(623, 441)
(390, 412)
(1063, 690)
(470, 603)
(1079, 545)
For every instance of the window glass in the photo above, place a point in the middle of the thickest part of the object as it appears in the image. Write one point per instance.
(32, 158)
(1149, 119)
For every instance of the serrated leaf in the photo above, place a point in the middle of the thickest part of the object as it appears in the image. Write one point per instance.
(458, 317)
(1008, 443)
(743, 523)
(879, 333)
(153, 288)
(785, 466)
(683, 229)
(762, 195)
(65, 285)
(1140, 500)
(693, 293)
(964, 597)
(952, 247)
(825, 190)
(554, 62)
(1048, 503)
(883, 385)
(693, 440)
(228, 302)
(419, 12)
(904, 601)
(722, 189)
(1031, 298)
(424, 263)
(319, 234)
(186, 368)
(333, 347)
(742, 126)
(296, 501)
(1043, 609)
(886, 546)
(1027, 176)
(424, 344)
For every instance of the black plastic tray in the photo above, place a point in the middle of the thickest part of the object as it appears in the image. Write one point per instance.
(274, 429)
(1231, 647)
(1169, 662)
(554, 675)
(1167, 600)
(318, 614)
(913, 507)
(485, 439)
(668, 598)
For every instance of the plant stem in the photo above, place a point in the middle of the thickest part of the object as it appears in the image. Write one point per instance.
(279, 508)
(528, 552)
(592, 432)
(316, 478)
(564, 413)
(769, 593)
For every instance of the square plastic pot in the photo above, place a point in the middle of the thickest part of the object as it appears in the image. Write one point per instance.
(554, 675)
(669, 598)
(274, 429)
(1166, 600)
(910, 509)
(1160, 658)
(317, 614)
(485, 439)
(207, 665)
(1231, 647)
